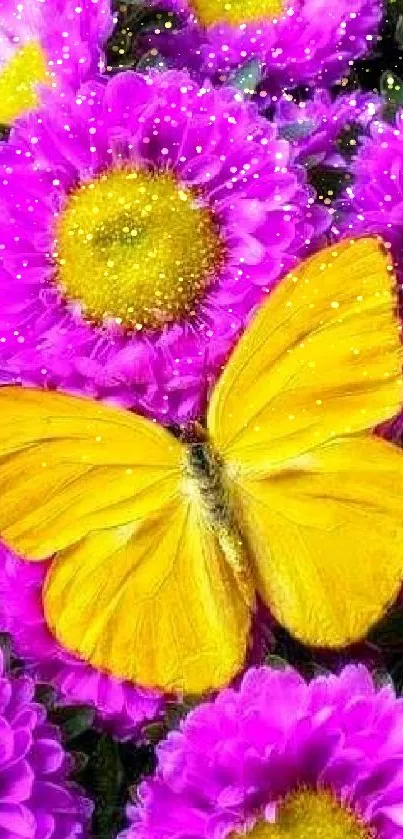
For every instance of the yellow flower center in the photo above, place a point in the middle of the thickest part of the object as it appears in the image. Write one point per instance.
(18, 80)
(310, 814)
(236, 12)
(134, 246)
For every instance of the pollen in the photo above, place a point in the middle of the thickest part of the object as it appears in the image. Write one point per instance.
(136, 247)
(311, 814)
(236, 12)
(18, 81)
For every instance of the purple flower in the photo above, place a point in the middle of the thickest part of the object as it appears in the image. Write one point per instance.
(301, 42)
(314, 126)
(281, 758)
(51, 42)
(37, 801)
(121, 707)
(140, 225)
(373, 203)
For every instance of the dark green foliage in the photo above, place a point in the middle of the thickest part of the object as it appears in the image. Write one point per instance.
(109, 772)
(126, 47)
(72, 720)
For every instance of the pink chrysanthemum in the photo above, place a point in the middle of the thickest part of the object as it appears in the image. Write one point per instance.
(374, 202)
(140, 225)
(37, 801)
(51, 42)
(281, 758)
(314, 125)
(121, 707)
(301, 42)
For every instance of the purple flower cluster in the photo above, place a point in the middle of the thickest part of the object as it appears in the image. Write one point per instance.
(313, 126)
(302, 42)
(37, 801)
(373, 203)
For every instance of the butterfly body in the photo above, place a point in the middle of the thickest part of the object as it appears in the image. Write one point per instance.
(160, 546)
(204, 467)
(209, 487)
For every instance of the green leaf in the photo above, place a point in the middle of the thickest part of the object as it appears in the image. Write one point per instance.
(276, 662)
(154, 732)
(247, 78)
(298, 130)
(151, 60)
(395, 7)
(158, 19)
(80, 761)
(175, 712)
(73, 720)
(46, 695)
(396, 672)
(6, 648)
(399, 31)
(392, 88)
(107, 782)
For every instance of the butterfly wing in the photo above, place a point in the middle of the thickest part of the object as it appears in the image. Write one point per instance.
(327, 538)
(152, 601)
(139, 586)
(320, 502)
(322, 358)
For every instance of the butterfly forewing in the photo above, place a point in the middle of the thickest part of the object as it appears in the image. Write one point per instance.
(322, 358)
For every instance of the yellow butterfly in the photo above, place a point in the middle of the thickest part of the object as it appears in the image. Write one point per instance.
(160, 546)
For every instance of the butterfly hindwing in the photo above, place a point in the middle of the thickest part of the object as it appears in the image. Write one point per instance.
(153, 602)
(326, 535)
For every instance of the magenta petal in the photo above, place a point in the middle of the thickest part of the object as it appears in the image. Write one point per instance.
(16, 782)
(19, 821)
(48, 755)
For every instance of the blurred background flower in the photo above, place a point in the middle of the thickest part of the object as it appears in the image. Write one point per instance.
(303, 42)
(373, 202)
(48, 42)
